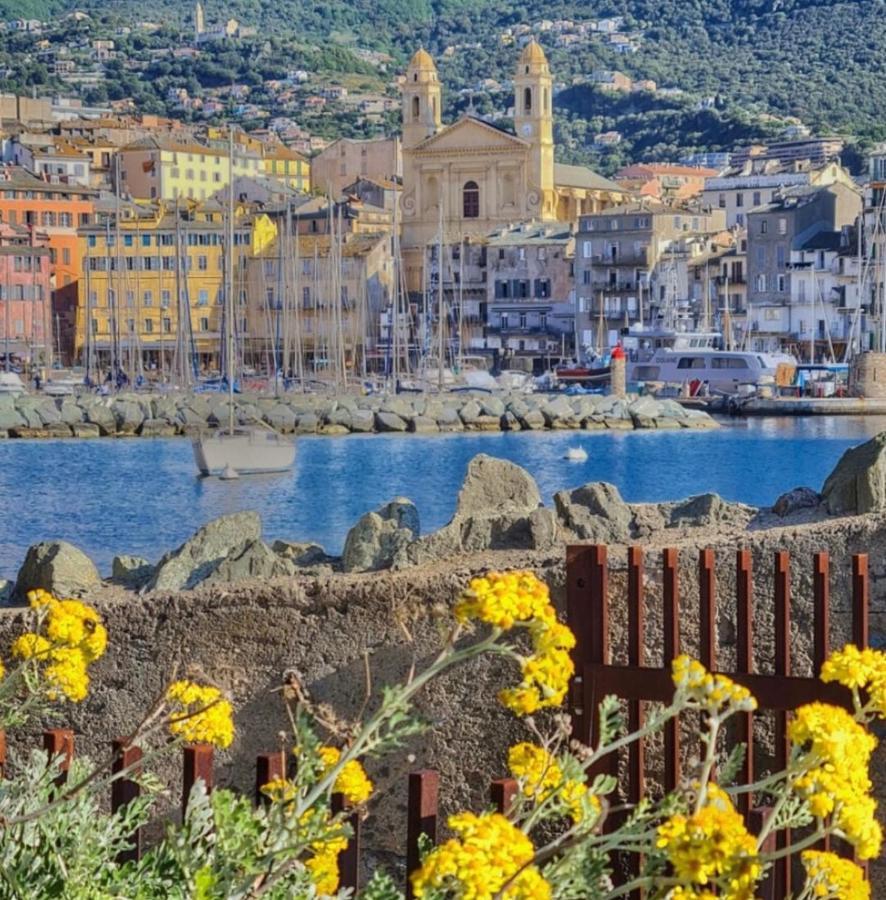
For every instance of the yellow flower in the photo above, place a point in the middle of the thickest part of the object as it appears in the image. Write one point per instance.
(31, 646)
(859, 670)
(834, 878)
(486, 854)
(541, 777)
(711, 692)
(323, 865)
(66, 674)
(352, 782)
(712, 848)
(505, 598)
(200, 714)
(835, 780)
(39, 597)
(279, 790)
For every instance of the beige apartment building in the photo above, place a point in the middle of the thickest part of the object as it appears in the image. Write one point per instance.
(335, 167)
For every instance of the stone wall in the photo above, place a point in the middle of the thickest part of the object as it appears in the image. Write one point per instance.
(247, 635)
(867, 376)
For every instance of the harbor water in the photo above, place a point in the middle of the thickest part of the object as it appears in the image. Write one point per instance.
(143, 497)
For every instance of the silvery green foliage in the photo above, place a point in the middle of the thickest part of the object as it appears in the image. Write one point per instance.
(65, 849)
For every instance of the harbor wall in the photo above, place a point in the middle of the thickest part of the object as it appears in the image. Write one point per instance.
(248, 635)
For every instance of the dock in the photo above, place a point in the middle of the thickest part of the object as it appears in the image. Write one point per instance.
(790, 406)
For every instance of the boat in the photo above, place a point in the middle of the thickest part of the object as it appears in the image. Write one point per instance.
(10, 383)
(246, 451)
(576, 454)
(234, 451)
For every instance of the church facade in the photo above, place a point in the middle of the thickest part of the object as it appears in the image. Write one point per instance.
(472, 177)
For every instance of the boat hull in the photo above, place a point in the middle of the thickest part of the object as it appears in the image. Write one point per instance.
(247, 451)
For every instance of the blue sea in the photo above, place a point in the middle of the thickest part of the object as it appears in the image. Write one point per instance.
(143, 497)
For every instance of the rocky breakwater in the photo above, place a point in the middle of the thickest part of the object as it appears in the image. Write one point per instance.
(166, 415)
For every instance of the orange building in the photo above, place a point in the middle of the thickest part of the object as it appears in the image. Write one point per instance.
(664, 181)
(58, 210)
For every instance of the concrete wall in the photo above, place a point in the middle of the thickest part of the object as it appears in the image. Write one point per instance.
(246, 636)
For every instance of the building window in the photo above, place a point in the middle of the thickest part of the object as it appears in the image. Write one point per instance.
(202, 263)
(527, 100)
(167, 325)
(782, 226)
(416, 108)
(780, 256)
(739, 199)
(764, 226)
(149, 326)
(165, 299)
(587, 249)
(204, 324)
(66, 256)
(780, 281)
(471, 200)
(148, 298)
(523, 320)
(756, 198)
(721, 201)
(202, 298)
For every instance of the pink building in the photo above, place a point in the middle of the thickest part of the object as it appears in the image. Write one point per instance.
(25, 294)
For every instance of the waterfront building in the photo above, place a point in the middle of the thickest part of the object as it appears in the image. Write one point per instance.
(160, 169)
(802, 220)
(631, 265)
(338, 164)
(530, 295)
(57, 210)
(812, 151)
(471, 177)
(26, 328)
(288, 166)
(151, 299)
(664, 181)
(756, 181)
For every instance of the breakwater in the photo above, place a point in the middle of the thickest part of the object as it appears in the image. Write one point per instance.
(170, 414)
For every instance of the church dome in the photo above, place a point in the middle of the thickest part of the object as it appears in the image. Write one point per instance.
(422, 62)
(533, 54)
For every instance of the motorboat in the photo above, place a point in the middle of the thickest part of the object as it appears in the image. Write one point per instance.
(10, 383)
(247, 451)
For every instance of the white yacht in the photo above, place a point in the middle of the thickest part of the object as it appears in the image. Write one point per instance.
(10, 383)
(248, 451)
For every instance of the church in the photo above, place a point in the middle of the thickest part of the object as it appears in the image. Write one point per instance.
(477, 177)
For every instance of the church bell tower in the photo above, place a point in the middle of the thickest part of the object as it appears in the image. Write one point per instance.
(421, 100)
(534, 121)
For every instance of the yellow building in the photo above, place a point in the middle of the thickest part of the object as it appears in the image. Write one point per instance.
(287, 166)
(476, 177)
(137, 288)
(152, 169)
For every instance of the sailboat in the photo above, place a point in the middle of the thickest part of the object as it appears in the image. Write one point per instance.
(233, 451)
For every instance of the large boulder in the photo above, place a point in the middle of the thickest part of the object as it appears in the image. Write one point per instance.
(594, 512)
(301, 553)
(11, 418)
(282, 418)
(99, 413)
(201, 554)
(131, 571)
(254, 559)
(389, 421)
(157, 428)
(494, 487)
(709, 509)
(128, 417)
(57, 567)
(857, 484)
(362, 421)
(794, 500)
(380, 538)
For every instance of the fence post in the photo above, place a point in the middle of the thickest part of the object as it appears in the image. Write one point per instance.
(821, 600)
(349, 858)
(268, 767)
(124, 790)
(744, 605)
(60, 742)
(636, 657)
(783, 670)
(860, 600)
(502, 792)
(197, 765)
(707, 595)
(421, 818)
(671, 620)
(2, 753)
(764, 890)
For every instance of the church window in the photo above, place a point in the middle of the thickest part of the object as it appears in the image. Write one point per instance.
(415, 107)
(471, 200)
(545, 104)
(527, 100)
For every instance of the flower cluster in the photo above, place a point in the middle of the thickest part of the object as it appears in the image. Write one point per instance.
(323, 864)
(711, 692)
(519, 599)
(200, 714)
(834, 780)
(488, 858)
(834, 878)
(69, 637)
(352, 782)
(712, 849)
(859, 670)
(541, 778)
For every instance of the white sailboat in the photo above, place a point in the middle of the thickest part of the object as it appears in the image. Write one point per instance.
(240, 450)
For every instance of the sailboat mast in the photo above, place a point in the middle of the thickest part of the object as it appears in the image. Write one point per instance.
(229, 276)
(440, 302)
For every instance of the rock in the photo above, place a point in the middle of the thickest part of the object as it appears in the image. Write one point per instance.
(70, 413)
(492, 406)
(448, 419)
(132, 571)
(86, 430)
(11, 418)
(300, 554)
(559, 414)
(157, 428)
(381, 537)
(100, 414)
(493, 487)
(423, 425)
(794, 500)
(645, 412)
(283, 419)
(339, 416)
(509, 422)
(484, 423)
(698, 418)
(308, 423)
(333, 430)
(6, 590)
(57, 567)
(399, 407)
(190, 418)
(618, 424)
(253, 559)
(595, 512)
(389, 421)
(362, 421)
(709, 509)
(469, 412)
(128, 416)
(857, 484)
(533, 420)
(201, 554)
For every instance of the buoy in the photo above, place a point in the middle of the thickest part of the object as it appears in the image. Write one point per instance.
(229, 473)
(576, 454)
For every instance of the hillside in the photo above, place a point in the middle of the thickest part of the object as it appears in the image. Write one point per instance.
(813, 60)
